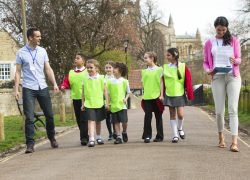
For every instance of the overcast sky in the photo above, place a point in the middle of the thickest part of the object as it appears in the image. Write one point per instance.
(188, 15)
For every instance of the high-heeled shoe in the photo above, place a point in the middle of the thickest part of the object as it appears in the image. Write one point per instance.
(222, 144)
(234, 148)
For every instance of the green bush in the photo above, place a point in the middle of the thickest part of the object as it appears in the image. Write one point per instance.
(111, 55)
(116, 56)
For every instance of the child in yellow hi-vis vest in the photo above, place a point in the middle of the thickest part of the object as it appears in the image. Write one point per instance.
(152, 81)
(119, 91)
(93, 93)
(109, 70)
(178, 86)
(73, 81)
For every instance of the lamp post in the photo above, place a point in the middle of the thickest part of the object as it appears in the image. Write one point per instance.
(125, 45)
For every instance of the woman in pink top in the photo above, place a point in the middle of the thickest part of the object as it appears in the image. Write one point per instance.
(224, 83)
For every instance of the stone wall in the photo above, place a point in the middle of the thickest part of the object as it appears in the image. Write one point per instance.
(8, 105)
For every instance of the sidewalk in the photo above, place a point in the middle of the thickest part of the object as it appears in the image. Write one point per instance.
(197, 157)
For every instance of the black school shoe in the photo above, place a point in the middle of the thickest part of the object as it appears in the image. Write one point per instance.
(100, 141)
(114, 135)
(91, 144)
(147, 140)
(182, 136)
(175, 139)
(84, 142)
(110, 137)
(124, 136)
(158, 140)
(118, 141)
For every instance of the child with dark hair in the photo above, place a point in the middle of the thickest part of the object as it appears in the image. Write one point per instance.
(178, 85)
(109, 70)
(119, 91)
(73, 81)
(152, 97)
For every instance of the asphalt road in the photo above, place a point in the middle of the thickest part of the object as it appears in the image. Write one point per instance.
(196, 157)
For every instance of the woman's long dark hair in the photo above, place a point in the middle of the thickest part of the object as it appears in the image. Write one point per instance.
(222, 21)
(175, 53)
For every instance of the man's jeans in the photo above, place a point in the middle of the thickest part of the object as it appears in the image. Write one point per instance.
(44, 100)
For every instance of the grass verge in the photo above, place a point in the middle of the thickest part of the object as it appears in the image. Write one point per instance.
(14, 135)
(244, 118)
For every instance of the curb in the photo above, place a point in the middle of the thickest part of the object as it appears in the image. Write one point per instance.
(19, 149)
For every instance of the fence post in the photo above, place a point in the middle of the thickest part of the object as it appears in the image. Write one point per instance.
(211, 102)
(2, 135)
(241, 102)
(248, 102)
(62, 109)
(245, 102)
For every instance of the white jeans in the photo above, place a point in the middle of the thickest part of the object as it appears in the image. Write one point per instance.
(222, 85)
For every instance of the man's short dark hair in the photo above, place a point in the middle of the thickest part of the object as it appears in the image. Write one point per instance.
(30, 32)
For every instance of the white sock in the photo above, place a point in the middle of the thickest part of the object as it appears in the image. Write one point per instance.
(180, 124)
(91, 139)
(98, 137)
(173, 125)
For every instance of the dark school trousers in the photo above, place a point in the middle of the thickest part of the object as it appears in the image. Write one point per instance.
(81, 119)
(150, 106)
(108, 122)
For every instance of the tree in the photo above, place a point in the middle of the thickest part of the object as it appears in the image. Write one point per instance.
(68, 26)
(114, 55)
(239, 26)
(242, 25)
(151, 38)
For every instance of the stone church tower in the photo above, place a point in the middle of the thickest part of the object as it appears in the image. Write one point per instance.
(190, 47)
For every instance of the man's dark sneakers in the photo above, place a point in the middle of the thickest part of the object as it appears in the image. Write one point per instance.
(53, 143)
(118, 141)
(124, 136)
(29, 149)
(84, 142)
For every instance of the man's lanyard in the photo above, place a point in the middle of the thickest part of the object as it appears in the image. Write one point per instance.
(33, 58)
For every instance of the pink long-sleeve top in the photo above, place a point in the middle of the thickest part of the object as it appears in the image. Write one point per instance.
(208, 57)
